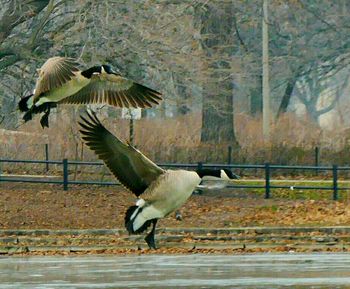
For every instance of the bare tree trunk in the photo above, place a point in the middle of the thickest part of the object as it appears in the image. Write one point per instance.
(217, 114)
(287, 95)
(256, 97)
(288, 92)
(182, 95)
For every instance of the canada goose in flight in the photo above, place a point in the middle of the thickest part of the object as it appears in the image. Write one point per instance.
(61, 81)
(160, 191)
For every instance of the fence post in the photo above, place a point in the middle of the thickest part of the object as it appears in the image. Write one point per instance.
(335, 182)
(267, 180)
(47, 156)
(317, 158)
(65, 174)
(229, 155)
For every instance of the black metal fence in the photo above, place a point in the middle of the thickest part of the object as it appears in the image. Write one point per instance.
(267, 168)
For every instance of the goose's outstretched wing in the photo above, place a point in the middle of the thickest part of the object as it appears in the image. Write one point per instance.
(134, 170)
(55, 72)
(115, 90)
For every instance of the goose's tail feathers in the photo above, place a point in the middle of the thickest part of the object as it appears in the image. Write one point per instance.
(23, 103)
(131, 214)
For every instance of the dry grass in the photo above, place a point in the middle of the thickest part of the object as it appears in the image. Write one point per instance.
(178, 140)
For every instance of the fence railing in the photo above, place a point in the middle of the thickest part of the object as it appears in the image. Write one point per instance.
(267, 168)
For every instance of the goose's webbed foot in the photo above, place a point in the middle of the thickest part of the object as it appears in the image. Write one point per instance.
(150, 237)
(27, 116)
(44, 121)
(150, 241)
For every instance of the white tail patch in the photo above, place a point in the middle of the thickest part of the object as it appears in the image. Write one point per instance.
(140, 203)
(138, 222)
(134, 213)
(223, 175)
(148, 213)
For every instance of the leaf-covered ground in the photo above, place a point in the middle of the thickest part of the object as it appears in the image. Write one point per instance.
(27, 206)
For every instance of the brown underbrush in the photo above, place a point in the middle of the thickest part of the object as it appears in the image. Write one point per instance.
(293, 140)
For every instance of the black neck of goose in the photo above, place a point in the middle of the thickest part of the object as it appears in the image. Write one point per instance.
(217, 173)
(89, 72)
(209, 172)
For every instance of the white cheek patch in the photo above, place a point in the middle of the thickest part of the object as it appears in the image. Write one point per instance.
(223, 175)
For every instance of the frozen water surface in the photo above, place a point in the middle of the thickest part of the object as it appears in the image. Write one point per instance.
(179, 271)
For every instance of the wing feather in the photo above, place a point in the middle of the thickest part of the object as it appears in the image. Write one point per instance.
(55, 72)
(133, 169)
(115, 90)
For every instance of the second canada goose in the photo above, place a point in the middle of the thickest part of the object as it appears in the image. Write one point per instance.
(160, 191)
(61, 81)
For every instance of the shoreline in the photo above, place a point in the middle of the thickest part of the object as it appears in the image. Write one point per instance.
(245, 240)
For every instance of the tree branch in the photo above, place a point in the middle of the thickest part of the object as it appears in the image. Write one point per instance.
(239, 35)
(43, 21)
(337, 96)
(333, 27)
(17, 13)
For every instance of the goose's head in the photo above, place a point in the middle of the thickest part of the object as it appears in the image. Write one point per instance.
(227, 174)
(88, 73)
(217, 174)
(99, 69)
(109, 70)
(215, 178)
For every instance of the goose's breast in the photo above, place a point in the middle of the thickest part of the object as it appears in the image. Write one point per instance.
(67, 89)
(172, 190)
